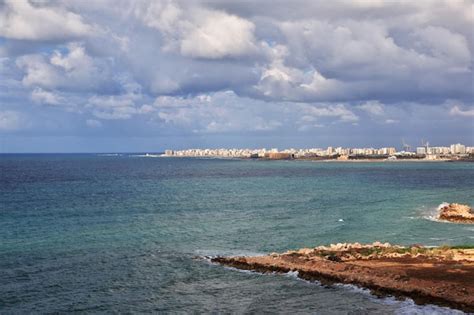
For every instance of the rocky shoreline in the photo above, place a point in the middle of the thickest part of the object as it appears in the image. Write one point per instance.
(441, 275)
(455, 212)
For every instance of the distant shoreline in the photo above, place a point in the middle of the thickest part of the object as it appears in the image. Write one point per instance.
(321, 160)
(383, 160)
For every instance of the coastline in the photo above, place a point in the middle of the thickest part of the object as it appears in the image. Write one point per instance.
(319, 160)
(440, 275)
(381, 160)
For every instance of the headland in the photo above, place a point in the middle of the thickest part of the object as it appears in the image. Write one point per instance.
(429, 275)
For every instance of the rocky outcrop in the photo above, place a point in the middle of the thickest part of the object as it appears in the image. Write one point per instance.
(443, 275)
(455, 212)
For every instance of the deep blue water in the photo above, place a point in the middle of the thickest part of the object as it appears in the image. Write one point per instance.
(123, 233)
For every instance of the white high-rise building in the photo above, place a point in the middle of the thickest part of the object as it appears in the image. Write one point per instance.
(458, 148)
(420, 150)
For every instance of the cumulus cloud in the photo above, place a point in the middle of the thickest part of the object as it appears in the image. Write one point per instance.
(219, 35)
(457, 111)
(225, 112)
(281, 82)
(45, 97)
(113, 107)
(339, 111)
(339, 52)
(366, 56)
(372, 107)
(219, 112)
(199, 32)
(71, 70)
(232, 66)
(40, 21)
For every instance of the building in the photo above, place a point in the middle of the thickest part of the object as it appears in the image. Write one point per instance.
(458, 149)
(421, 150)
(279, 156)
(387, 151)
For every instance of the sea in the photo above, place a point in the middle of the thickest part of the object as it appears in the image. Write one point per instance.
(130, 233)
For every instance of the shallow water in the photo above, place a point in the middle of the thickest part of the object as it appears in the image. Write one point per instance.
(122, 233)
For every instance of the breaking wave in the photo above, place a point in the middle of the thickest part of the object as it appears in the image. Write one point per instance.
(431, 214)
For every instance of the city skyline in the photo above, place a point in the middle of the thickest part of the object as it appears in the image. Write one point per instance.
(137, 76)
(427, 150)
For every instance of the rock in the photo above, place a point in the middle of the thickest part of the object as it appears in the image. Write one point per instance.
(305, 251)
(455, 212)
(333, 258)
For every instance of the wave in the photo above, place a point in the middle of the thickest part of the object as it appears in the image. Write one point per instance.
(109, 154)
(230, 253)
(432, 213)
(147, 155)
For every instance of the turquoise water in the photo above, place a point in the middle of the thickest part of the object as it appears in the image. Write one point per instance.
(125, 233)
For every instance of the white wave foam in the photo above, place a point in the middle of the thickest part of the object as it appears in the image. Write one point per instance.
(109, 154)
(243, 270)
(227, 253)
(442, 205)
(409, 307)
(147, 155)
(293, 274)
(405, 306)
(432, 213)
(354, 288)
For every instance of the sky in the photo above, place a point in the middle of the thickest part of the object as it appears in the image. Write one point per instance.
(138, 76)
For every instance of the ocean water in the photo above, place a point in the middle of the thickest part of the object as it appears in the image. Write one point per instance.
(127, 233)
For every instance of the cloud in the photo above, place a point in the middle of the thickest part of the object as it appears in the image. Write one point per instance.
(93, 123)
(45, 97)
(274, 68)
(372, 107)
(198, 32)
(73, 70)
(219, 35)
(225, 112)
(38, 71)
(457, 111)
(339, 111)
(11, 120)
(221, 112)
(281, 82)
(113, 107)
(24, 20)
(445, 45)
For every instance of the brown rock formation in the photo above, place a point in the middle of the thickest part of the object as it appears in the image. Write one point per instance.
(455, 212)
(443, 276)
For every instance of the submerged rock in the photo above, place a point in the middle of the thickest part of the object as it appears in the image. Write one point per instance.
(455, 212)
